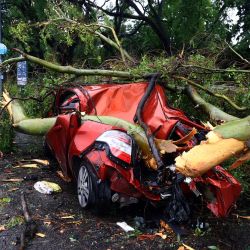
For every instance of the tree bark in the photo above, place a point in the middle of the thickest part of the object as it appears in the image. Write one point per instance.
(76, 71)
(215, 113)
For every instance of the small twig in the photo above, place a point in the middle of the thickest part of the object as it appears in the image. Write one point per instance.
(235, 52)
(25, 208)
(30, 225)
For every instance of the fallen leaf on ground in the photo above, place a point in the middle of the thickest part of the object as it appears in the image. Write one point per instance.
(187, 247)
(13, 180)
(39, 161)
(166, 227)
(181, 248)
(2, 228)
(242, 216)
(77, 222)
(5, 200)
(47, 223)
(60, 174)
(68, 217)
(40, 235)
(146, 237)
(33, 165)
(14, 221)
(72, 239)
(213, 248)
(163, 236)
(13, 189)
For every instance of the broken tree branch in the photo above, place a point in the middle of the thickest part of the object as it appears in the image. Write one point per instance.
(236, 53)
(12, 60)
(241, 71)
(30, 225)
(227, 99)
(215, 113)
(76, 71)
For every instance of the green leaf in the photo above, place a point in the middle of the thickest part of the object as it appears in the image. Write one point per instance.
(5, 200)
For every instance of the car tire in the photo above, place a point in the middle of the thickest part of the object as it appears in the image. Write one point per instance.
(91, 191)
(86, 186)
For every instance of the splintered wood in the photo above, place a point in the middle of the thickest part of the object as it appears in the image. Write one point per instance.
(210, 153)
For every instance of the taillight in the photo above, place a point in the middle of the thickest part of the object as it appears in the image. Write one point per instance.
(119, 144)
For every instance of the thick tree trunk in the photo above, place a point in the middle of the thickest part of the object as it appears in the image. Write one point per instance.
(224, 142)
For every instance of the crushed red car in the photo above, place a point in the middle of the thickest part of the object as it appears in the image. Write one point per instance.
(107, 164)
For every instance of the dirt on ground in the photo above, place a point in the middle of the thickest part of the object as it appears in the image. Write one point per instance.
(62, 224)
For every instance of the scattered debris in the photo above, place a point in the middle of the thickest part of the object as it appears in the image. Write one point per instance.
(139, 222)
(60, 174)
(213, 248)
(185, 247)
(146, 237)
(68, 217)
(245, 157)
(242, 216)
(40, 235)
(30, 177)
(5, 200)
(72, 239)
(166, 227)
(30, 225)
(13, 189)
(125, 226)
(46, 187)
(14, 221)
(163, 236)
(12, 180)
(2, 228)
(77, 222)
(38, 161)
(47, 223)
(33, 165)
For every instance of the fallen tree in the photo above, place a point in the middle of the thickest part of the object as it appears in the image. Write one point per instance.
(223, 142)
(188, 163)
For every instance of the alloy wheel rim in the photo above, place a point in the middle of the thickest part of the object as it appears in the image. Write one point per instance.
(83, 185)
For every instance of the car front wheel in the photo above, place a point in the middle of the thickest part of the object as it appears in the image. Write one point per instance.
(86, 190)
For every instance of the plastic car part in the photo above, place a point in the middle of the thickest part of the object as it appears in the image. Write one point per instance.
(220, 190)
(120, 144)
(177, 209)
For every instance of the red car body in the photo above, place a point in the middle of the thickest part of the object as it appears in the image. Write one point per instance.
(72, 140)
